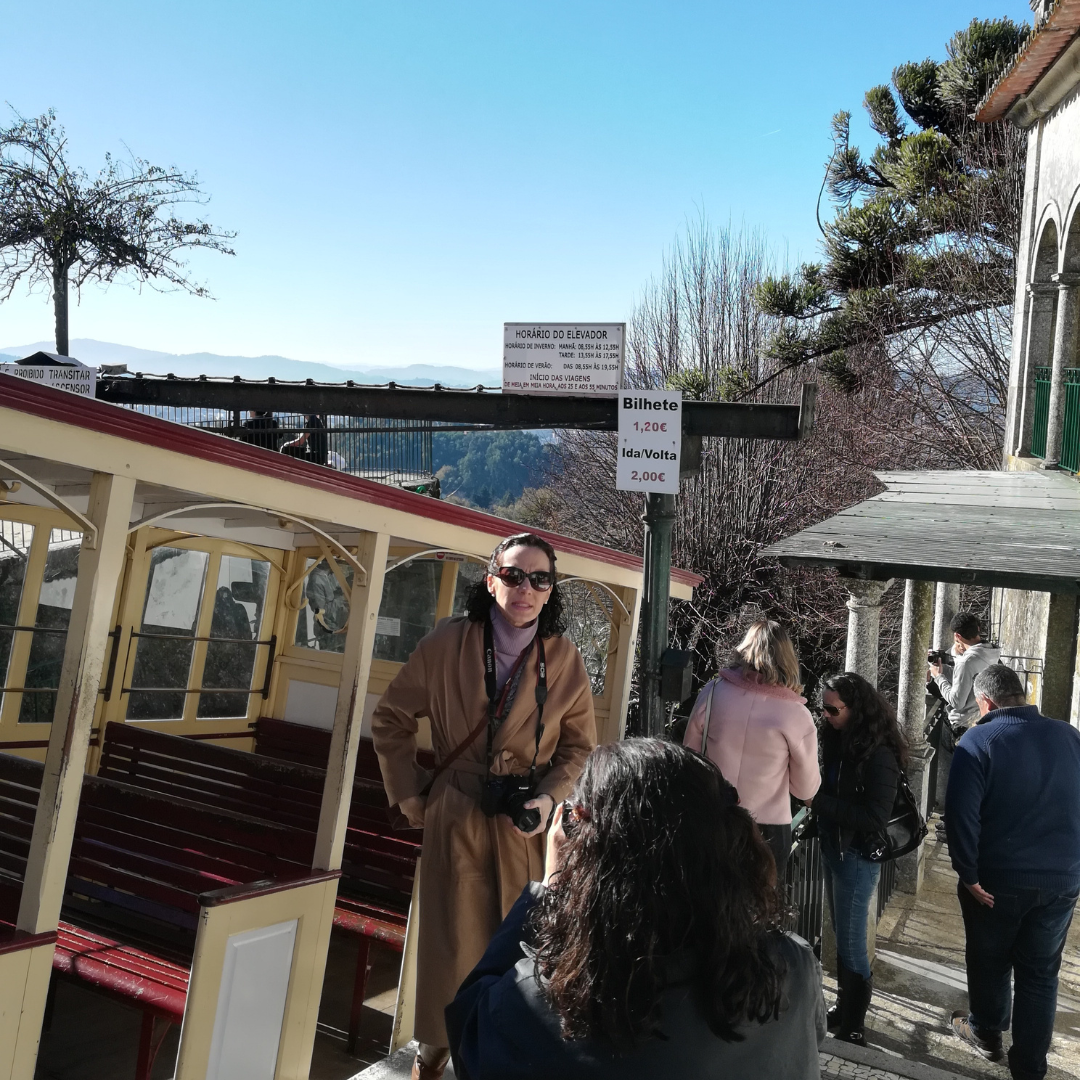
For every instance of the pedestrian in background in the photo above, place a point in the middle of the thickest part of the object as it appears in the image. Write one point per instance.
(862, 753)
(759, 733)
(955, 684)
(1013, 816)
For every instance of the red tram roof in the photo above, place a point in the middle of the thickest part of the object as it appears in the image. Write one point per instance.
(66, 408)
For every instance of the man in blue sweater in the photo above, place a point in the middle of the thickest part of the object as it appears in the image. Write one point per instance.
(1012, 812)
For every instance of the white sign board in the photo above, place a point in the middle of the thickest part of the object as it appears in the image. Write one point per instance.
(563, 358)
(76, 378)
(650, 439)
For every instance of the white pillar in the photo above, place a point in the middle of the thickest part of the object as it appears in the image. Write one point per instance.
(911, 711)
(352, 690)
(99, 573)
(946, 605)
(1064, 356)
(864, 622)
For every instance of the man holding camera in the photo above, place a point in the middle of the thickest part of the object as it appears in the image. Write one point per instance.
(511, 712)
(955, 683)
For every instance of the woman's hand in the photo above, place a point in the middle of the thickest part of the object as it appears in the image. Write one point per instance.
(413, 808)
(545, 804)
(556, 838)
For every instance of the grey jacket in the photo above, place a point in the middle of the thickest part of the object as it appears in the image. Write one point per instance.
(956, 685)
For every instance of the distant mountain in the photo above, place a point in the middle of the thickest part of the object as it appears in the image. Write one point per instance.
(190, 365)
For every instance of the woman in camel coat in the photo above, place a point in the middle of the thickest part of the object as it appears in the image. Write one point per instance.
(475, 867)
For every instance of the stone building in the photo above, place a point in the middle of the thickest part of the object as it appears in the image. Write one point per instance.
(1040, 93)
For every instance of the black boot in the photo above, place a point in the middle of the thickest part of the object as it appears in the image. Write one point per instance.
(857, 994)
(837, 1011)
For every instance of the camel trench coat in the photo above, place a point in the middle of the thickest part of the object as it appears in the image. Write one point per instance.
(474, 867)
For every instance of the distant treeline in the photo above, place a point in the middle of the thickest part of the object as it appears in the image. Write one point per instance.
(488, 468)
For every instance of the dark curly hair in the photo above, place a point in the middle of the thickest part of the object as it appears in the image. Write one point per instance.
(873, 719)
(663, 865)
(551, 621)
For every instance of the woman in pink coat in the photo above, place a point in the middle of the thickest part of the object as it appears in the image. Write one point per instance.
(760, 733)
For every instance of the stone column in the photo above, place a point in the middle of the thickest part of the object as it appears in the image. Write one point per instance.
(911, 711)
(1038, 352)
(946, 605)
(864, 620)
(1059, 663)
(1068, 305)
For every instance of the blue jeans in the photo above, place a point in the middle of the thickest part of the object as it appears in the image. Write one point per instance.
(850, 881)
(1023, 934)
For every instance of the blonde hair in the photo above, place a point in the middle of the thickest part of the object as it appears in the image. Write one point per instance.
(767, 649)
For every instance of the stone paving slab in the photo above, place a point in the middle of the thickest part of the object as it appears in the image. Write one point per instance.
(839, 1061)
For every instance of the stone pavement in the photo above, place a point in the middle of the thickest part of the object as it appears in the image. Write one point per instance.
(838, 1062)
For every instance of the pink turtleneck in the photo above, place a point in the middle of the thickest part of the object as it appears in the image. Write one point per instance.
(510, 642)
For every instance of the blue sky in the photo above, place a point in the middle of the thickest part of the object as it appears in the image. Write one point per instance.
(405, 176)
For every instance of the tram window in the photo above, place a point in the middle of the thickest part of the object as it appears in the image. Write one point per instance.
(50, 627)
(166, 641)
(230, 659)
(588, 626)
(324, 618)
(410, 599)
(468, 574)
(15, 540)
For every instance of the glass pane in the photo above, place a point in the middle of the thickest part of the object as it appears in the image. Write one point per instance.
(50, 626)
(324, 618)
(15, 540)
(238, 611)
(407, 610)
(167, 638)
(468, 574)
(588, 626)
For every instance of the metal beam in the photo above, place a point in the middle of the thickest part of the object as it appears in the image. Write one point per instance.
(733, 420)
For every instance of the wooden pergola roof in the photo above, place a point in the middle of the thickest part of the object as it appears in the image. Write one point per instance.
(1017, 530)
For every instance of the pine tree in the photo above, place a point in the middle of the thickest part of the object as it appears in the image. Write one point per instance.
(919, 266)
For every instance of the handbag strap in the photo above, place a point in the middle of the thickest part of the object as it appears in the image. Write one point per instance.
(711, 686)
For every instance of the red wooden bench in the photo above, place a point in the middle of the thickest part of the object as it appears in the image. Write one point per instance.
(378, 865)
(142, 866)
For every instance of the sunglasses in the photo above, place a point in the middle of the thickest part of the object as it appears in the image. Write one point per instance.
(513, 576)
(831, 710)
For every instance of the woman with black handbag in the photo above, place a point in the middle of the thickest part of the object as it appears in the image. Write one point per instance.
(863, 752)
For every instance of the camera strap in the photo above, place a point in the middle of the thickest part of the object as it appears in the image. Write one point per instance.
(497, 703)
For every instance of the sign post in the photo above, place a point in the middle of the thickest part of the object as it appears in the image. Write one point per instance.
(650, 444)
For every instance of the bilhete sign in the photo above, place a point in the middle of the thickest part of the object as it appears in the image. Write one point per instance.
(650, 441)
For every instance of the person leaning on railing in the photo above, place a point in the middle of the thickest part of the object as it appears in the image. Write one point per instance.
(862, 753)
(652, 949)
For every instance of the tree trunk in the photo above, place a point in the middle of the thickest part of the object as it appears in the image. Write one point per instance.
(60, 305)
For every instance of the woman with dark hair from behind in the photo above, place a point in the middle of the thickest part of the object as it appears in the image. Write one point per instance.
(653, 946)
(862, 753)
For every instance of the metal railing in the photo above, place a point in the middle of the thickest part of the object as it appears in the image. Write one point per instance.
(390, 451)
(805, 882)
(1070, 435)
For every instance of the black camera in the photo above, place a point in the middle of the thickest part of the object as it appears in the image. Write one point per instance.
(940, 656)
(508, 795)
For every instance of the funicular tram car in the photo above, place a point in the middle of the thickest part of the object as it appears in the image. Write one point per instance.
(193, 634)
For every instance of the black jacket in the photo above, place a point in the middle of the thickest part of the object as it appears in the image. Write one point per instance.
(502, 1026)
(855, 800)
